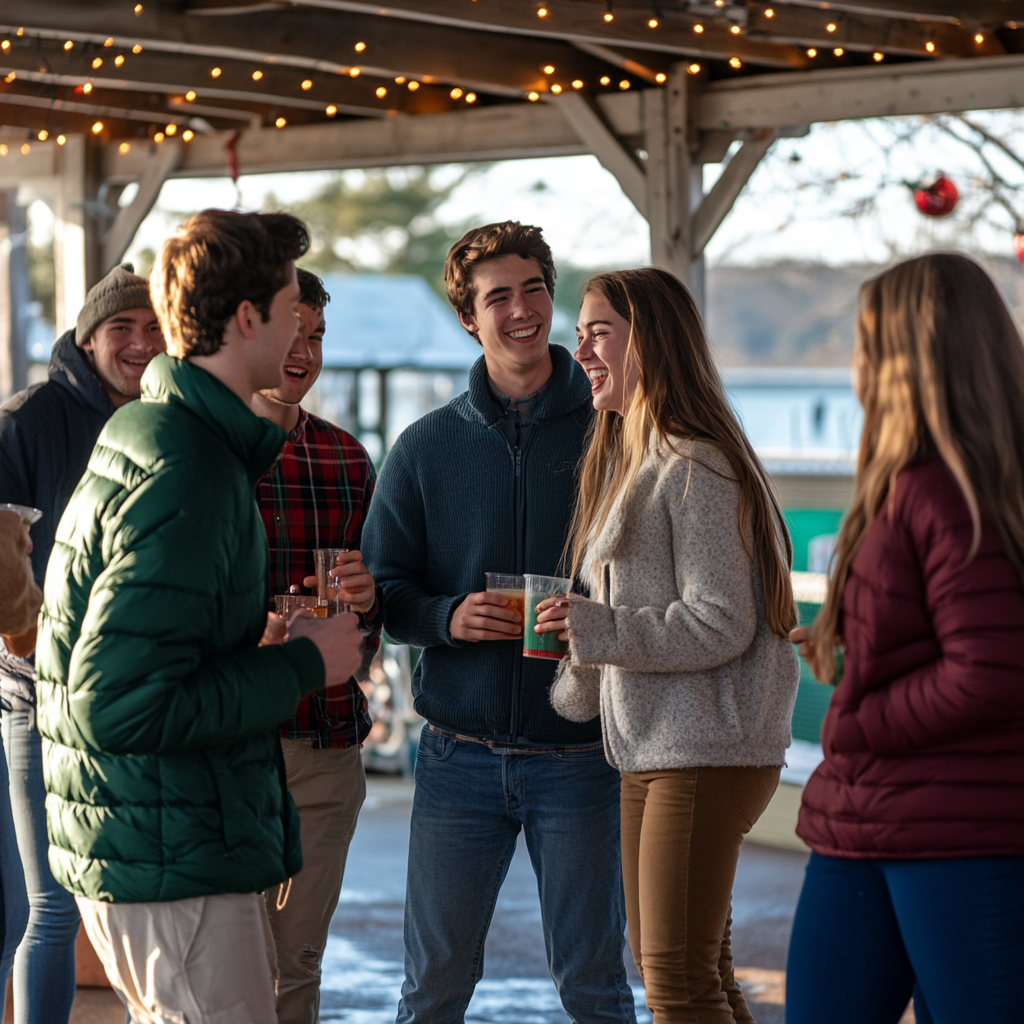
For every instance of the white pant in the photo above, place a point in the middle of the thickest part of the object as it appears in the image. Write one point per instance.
(206, 960)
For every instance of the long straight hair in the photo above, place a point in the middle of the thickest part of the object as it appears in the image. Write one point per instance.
(678, 395)
(941, 367)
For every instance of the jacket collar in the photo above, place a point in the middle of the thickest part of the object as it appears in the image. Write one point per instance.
(69, 370)
(566, 390)
(255, 441)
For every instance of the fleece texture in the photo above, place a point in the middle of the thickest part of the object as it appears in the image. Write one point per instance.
(675, 653)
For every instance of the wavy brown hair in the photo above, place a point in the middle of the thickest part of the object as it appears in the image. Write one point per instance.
(941, 367)
(679, 395)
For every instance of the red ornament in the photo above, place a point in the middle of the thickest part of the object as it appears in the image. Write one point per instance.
(1018, 244)
(937, 199)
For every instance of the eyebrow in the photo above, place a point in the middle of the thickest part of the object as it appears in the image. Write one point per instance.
(594, 323)
(508, 288)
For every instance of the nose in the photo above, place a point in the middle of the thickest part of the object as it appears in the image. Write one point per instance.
(583, 349)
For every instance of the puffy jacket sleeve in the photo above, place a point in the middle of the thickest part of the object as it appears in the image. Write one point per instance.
(715, 618)
(977, 612)
(155, 666)
(395, 551)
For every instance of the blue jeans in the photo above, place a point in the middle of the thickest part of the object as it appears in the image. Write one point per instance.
(868, 932)
(470, 805)
(13, 899)
(44, 969)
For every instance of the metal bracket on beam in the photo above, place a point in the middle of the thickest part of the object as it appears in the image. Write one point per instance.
(719, 201)
(601, 141)
(159, 167)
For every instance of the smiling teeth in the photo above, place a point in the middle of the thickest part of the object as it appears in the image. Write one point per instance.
(523, 333)
(596, 375)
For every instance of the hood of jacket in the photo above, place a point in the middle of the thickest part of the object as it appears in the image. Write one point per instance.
(566, 390)
(255, 441)
(68, 369)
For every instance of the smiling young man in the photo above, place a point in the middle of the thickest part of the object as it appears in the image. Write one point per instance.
(316, 496)
(167, 809)
(486, 484)
(46, 436)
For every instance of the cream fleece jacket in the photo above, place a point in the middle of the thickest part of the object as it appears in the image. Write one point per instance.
(675, 654)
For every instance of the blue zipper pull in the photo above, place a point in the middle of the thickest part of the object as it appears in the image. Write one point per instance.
(519, 454)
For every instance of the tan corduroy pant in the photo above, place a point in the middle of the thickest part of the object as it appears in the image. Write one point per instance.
(206, 960)
(681, 835)
(328, 787)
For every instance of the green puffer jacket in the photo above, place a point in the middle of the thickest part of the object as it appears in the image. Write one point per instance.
(156, 707)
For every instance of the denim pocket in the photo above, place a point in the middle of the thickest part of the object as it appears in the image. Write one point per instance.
(435, 747)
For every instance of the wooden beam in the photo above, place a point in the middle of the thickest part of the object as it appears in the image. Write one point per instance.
(992, 12)
(719, 201)
(160, 163)
(770, 101)
(594, 132)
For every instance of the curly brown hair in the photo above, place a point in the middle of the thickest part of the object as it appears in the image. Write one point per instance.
(490, 242)
(216, 261)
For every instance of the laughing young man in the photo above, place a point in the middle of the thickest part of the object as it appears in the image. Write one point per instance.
(316, 496)
(486, 484)
(168, 812)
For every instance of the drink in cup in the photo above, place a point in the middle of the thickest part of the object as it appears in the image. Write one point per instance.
(27, 514)
(285, 604)
(542, 645)
(327, 586)
(512, 588)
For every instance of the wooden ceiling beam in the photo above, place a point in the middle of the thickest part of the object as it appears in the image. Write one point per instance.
(971, 12)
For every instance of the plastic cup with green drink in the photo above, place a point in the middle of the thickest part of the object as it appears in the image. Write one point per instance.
(542, 645)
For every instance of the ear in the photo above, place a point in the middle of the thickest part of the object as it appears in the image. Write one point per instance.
(245, 318)
(86, 345)
(469, 323)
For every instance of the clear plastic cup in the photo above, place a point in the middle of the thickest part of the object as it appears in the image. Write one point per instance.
(28, 514)
(285, 604)
(328, 586)
(542, 645)
(512, 588)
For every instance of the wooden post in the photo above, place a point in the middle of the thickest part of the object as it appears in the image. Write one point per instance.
(69, 248)
(14, 294)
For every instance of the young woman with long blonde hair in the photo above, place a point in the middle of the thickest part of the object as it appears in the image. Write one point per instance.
(916, 816)
(682, 649)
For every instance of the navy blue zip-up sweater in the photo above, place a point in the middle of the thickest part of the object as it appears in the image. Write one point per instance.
(455, 500)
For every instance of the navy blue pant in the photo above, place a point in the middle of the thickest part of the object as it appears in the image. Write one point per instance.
(868, 933)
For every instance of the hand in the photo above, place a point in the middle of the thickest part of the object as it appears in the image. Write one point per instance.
(485, 616)
(276, 631)
(22, 645)
(553, 616)
(802, 636)
(337, 639)
(356, 587)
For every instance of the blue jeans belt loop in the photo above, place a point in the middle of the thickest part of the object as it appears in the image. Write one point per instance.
(519, 748)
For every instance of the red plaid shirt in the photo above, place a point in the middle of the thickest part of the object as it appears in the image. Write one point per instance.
(317, 496)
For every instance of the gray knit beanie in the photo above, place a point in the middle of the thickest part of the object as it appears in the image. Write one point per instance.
(121, 289)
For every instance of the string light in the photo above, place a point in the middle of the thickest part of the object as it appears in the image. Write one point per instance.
(43, 135)
(69, 45)
(471, 97)
(608, 16)
(61, 139)
(769, 13)
(124, 148)
(735, 29)
(138, 9)
(6, 46)
(660, 77)
(838, 51)
(137, 48)
(215, 72)
(187, 135)
(158, 138)
(353, 72)
(21, 31)
(360, 47)
(97, 62)
(979, 38)
(698, 29)
(930, 46)
(97, 127)
(330, 110)
(605, 80)
(549, 69)
(11, 77)
(307, 84)
(694, 69)
(109, 41)
(400, 80)
(735, 62)
(413, 85)
(542, 12)
(624, 84)
(171, 129)
(533, 96)
(652, 22)
(280, 122)
(556, 88)
(3, 149)
(719, 3)
(577, 83)
(118, 60)
(25, 149)
(257, 75)
(812, 52)
(456, 93)
(190, 95)
(830, 27)
(879, 56)
(380, 92)
(87, 88)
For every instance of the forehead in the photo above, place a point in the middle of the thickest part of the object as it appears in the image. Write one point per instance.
(504, 272)
(142, 315)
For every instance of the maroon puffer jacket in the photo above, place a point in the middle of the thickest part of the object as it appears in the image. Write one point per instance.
(924, 741)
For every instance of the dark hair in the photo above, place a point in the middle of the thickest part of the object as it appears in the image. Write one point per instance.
(218, 260)
(312, 292)
(508, 238)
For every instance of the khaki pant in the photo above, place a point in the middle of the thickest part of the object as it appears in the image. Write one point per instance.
(681, 835)
(207, 960)
(328, 787)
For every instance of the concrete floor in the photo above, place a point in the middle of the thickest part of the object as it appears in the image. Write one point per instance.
(362, 969)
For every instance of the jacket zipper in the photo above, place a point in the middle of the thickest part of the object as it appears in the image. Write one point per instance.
(519, 497)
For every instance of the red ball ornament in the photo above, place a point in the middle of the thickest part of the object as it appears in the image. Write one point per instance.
(1018, 245)
(937, 199)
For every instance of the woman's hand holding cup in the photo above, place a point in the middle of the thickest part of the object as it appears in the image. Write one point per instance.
(553, 617)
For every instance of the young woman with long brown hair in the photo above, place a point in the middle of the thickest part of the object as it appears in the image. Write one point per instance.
(682, 649)
(916, 816)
